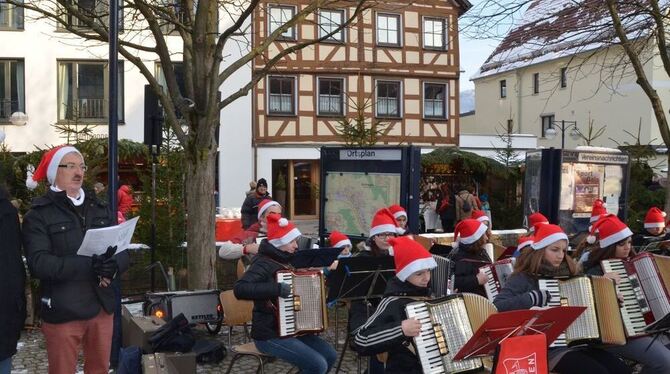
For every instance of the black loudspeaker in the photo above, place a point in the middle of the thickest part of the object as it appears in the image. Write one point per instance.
(153, 119)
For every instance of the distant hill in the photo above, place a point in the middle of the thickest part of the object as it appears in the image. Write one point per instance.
(467, 101)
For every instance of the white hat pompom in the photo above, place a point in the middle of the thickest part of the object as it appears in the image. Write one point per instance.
(664, 214)
(283, 222)
(30, 182)
(590, 239)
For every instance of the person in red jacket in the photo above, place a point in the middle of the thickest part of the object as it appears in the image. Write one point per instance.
(124, 197)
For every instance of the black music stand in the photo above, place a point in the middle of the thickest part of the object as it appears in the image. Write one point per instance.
(658, 328)
(358, 278)
(551, 322)
(315, 258)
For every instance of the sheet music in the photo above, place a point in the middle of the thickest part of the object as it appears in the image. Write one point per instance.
(96, 241)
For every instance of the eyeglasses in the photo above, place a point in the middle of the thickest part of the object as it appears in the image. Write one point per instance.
(386, 235)
(72, 167)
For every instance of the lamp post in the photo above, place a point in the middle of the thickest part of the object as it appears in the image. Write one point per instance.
(551, 132)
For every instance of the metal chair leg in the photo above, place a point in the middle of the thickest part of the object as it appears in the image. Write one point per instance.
(230, 336)
(232, 362)
(344, 351)
(261, 369)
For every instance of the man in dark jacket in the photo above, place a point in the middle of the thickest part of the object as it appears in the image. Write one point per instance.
(250, 206)
(12, 278)
(77, 302)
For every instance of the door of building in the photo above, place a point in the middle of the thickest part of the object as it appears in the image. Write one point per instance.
(304, 189)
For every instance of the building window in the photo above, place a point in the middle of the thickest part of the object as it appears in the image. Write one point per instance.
(547, 122)
(435, 33)
(278, 15)
(171, 13)
(281, 97)
(178, 68)
(536, 83)
(329, 21)
(331, 97)
(503, 89)
(435, 100)
(11, 17)
(388, 99)
(388, 29)
(12, 88)
(83, 90)
(95, 9)
(564, 77)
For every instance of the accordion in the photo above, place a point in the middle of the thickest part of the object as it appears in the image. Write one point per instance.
(304, 310)
(446, 325)
(496, 276)
(442, 277)
(644, 286)
(601, 321)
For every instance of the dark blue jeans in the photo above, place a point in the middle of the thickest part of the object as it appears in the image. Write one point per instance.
(310, 353)
(6, 365)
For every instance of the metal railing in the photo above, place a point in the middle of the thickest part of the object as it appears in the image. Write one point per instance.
(91, 108)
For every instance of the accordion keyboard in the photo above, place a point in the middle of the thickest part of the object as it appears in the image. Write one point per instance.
(303, 310)
(551, 285)
(634, 304)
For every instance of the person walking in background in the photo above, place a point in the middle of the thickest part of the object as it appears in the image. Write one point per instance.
(124, 197)
(250, 205)
(77, 302)
(12, 278)
(465, 204)
(252, 188)
(446, 208)
(99, 190)
(486, 207)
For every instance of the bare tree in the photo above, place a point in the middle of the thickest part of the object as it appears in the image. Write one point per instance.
(206, 69)
(630, 32)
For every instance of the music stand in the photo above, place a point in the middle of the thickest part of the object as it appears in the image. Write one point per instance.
(550, 322)
(658, 328)
(358, 278)
(315, 257)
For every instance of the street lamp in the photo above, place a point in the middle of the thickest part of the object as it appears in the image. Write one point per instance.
(18, 119)
(551, 132)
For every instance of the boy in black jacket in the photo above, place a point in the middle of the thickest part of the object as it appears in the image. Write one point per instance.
(470, 255)
(389, 329)
(654, 230)
(310, 353)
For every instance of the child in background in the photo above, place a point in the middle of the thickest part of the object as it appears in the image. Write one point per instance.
(400, 215)
(338, 240)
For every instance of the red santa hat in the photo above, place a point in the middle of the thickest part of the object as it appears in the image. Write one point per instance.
(524, 241)
(547, 234)
(48, 167)
(468, 231)
(608, 230)
(384, 221)
(410, 257)
(398, 211)
(480, 216)
(535, 219)
(280, 230)
(338, 240)
(264, 205)
(654, 218)
(597, 210)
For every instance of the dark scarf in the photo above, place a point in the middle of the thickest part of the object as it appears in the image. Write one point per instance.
(548, 271)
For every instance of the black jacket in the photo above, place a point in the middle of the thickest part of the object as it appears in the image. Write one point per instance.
(52, 233)
(466, 267)
(516, 293)
(250, 209)
(360, 310)
(259, 283)
(12, 279)
(383, 331)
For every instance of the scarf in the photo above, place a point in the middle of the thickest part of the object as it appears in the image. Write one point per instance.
(76, 201)
(548, 271)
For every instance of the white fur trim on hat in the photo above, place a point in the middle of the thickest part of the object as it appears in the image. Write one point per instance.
(524, 244)
(400, 213)
(616, 237)
(342, 243)
(265, 207)
(595, 218)
(549, 239)
(382, 229)
(416, 265)
(52, 170)
(287, 238)
(481, 230)
(484, 219)
(654, 224)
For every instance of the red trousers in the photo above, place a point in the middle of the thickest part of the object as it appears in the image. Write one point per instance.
(65, 340)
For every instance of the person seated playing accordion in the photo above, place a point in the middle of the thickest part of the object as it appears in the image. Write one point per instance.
(389, 329)
(613, 239)
(654, 231)
(546, 258)
(308, 352)
(469, 241)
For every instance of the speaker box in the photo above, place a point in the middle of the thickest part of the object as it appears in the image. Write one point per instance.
(153, 119)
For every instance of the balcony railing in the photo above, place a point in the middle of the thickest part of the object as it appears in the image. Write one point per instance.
(91, 108)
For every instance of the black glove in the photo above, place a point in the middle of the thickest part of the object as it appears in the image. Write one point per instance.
(105, 268)
(540, 297)
(284, 290)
